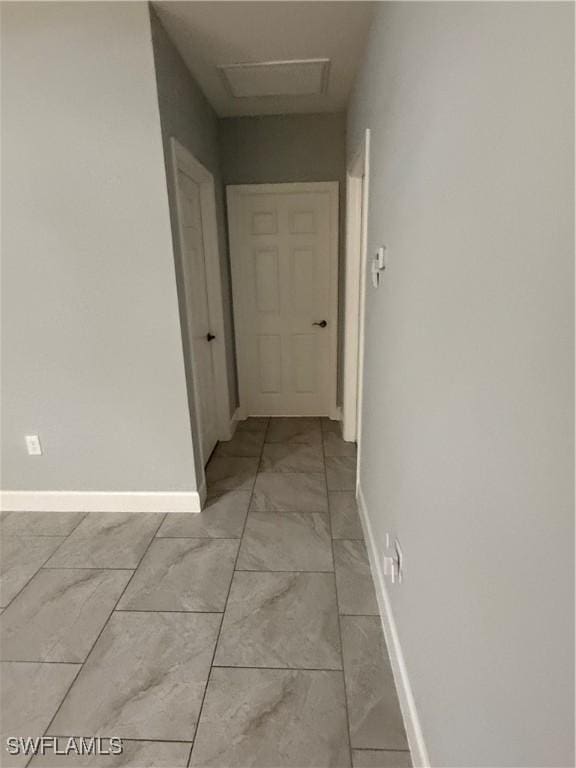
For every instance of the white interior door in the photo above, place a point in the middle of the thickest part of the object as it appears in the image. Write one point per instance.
(197, 309)
(284, 259)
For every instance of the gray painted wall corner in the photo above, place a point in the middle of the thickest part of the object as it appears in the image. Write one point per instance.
(186, 114)
(91, 352)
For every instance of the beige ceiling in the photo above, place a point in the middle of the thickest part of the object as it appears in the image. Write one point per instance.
(209, 34)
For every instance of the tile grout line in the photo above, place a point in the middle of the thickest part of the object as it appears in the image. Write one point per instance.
(50, 535)
(206, 538)
(337, 603)
(165, 610)
(35, 661)
(269, 570)
(99, 635)
(155, 741)
(38, 535)
(380, 749)
(336, 670)
(226, 602)
(80, 568)
(216, 666)
(340, 490)
(64, 539)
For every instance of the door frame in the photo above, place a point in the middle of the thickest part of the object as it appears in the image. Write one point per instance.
(183, 159)
(357, 197)
(233, 193)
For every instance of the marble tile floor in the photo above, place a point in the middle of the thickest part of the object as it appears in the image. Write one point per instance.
(246, 636)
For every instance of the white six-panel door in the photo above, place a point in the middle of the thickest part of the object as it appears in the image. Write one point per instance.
(284, 256)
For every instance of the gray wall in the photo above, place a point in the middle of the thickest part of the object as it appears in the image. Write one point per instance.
(278, 148)
(289, 148)
(468, 412)
(91, 346)
(186, 114)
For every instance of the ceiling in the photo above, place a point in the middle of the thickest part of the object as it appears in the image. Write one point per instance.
(211, 34)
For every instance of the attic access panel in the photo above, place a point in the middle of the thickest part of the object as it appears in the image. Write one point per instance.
(304, 77)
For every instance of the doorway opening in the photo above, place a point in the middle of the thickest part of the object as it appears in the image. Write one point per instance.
(203, 301)
(284, 258)
(357, 184)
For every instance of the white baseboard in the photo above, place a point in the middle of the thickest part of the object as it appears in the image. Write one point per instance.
(336, 413)
(99, 501)
(414, 733)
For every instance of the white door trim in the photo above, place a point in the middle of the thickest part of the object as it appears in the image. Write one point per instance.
(183, 159)
(233, 191)
(357, 185)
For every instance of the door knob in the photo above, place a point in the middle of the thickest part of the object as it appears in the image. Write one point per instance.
(322, 324)
(210, 336)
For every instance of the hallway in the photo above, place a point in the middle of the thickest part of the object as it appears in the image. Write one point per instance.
(266, 596)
